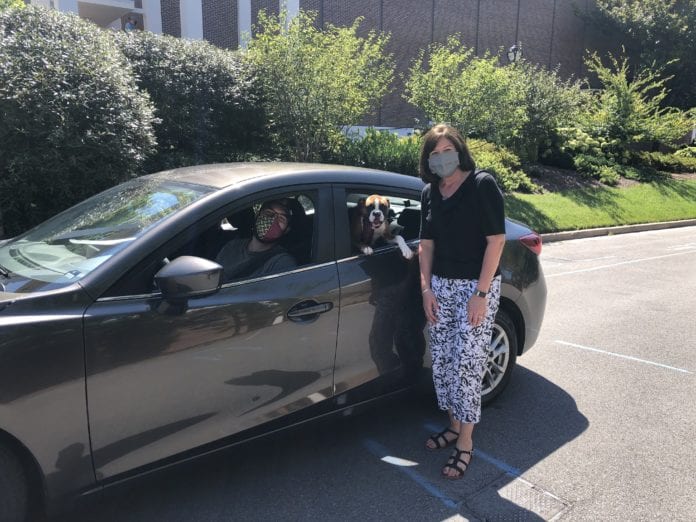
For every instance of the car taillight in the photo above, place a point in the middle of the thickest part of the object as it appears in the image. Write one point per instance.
(532, 242)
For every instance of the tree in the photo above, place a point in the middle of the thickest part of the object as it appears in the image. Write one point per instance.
(206, 99)
(550, 102)
(18, 4)
(316, 80)
(630, 109)
(626, 114)
(73, 122)
(449, 84)
(660, 30)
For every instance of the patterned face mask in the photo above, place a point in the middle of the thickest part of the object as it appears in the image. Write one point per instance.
(444, 163)
(269, 225)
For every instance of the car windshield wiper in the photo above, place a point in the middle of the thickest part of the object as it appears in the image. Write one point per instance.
(4, 272)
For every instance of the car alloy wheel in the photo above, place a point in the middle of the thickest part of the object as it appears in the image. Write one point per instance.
(502, 353)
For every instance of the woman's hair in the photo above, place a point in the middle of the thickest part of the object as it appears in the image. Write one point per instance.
(430, 139)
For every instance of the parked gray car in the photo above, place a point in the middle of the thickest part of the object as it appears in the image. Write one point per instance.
(122, 349)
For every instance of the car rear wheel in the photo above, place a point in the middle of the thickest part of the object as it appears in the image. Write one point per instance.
(13, 488)
(502, 354)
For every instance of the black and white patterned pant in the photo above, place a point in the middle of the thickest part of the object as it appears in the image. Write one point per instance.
(459, 350)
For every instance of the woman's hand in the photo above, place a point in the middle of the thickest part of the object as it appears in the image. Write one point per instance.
(430, 306)
(476, 311)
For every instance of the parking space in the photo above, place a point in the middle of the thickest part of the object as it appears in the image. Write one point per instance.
(620, 338)
(598, 422)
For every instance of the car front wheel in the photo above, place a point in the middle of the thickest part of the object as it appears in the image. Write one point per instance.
(13, 488)
(502, 354)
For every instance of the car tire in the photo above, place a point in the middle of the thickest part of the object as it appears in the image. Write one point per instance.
(13, 487)
(501, 358)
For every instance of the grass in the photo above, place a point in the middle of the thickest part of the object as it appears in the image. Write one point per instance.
(666, 200)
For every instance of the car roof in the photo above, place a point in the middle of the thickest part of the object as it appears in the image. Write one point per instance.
(221, 175)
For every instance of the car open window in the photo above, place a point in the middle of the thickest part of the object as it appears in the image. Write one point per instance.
(292, 250)
(207, 238)
(403, 218)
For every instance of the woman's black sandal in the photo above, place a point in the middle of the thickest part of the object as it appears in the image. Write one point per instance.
(454, 463)
(438, 437)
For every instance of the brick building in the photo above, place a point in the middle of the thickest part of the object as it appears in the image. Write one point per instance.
(551, 32)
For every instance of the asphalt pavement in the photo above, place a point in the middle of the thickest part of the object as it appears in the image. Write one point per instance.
(598, 422)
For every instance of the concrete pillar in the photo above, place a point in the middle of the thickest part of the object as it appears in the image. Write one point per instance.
(243, 22)
(293, 7)
(191, 19)
(152, 16)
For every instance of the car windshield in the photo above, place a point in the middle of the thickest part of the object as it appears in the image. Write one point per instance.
(70, 245)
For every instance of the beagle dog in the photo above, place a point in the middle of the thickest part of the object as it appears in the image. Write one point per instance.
(369, 223)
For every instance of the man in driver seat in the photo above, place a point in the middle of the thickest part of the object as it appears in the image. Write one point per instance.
(261, 254)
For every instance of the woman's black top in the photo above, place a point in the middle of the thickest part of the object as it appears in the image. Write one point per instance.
(459, 224)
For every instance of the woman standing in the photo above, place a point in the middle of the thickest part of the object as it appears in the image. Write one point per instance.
(461, 241)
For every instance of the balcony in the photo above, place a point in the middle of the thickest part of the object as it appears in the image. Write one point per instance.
(109, 13)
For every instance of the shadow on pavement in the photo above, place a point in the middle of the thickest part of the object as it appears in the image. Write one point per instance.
(343, 468)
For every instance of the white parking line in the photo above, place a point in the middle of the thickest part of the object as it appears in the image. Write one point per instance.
(619, 264)
(406, 467)
(636, 359)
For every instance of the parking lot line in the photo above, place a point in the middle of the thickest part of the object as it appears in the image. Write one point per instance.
(631, 261)
(383, 453)
(431, 428)
(630, 358)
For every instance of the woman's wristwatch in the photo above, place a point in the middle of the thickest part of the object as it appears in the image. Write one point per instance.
(480, 293)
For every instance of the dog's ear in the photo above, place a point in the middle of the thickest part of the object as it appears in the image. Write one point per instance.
(361, 203)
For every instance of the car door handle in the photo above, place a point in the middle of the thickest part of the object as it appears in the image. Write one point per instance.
(308, 308)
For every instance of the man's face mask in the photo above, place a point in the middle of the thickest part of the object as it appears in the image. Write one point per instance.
(444, 163)
(270, 225)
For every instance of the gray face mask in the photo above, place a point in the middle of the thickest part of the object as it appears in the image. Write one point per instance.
(445, 163)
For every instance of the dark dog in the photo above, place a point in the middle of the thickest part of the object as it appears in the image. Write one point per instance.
(369, 223)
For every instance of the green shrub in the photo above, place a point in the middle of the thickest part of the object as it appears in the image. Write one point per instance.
(622, 117)
(686, 152)
(206, 100)
(596, 166)
(503, 163)
(550, 102)
(608, 175)
(555, 153)
(448, 83)
(628, 110)
(16, 4)
(385, 150)
(379, 149)
(73, 122)
(668, 162)
(317, 80)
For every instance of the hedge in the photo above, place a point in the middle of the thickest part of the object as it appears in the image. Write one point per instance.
(206, 100)
(73, 120)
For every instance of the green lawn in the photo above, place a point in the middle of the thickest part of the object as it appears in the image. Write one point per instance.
(593, 207)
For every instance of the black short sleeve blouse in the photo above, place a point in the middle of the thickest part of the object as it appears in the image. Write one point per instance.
(459, 224)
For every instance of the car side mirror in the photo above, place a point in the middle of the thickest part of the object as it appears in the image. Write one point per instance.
(187, 277)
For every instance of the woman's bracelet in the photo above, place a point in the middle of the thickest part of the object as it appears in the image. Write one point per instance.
(425, 290)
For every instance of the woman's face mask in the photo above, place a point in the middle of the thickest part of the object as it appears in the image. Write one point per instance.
(444, 163)
(270, 225)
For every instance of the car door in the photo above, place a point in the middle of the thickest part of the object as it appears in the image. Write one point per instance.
(162, 379)
(380, 336)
